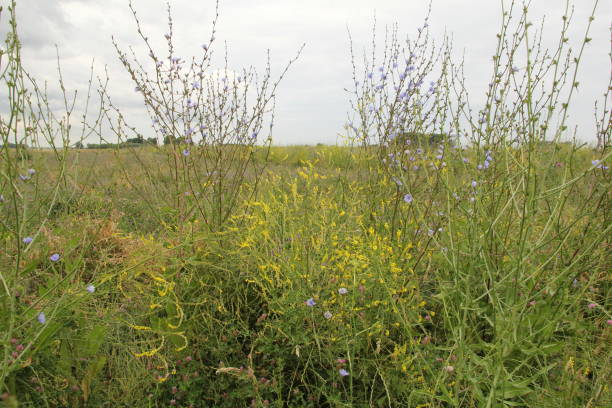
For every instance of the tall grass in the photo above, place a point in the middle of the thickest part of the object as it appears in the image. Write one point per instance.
(443, 258)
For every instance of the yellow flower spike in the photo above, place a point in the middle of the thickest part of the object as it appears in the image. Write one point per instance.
(151, 353)
(135, 327)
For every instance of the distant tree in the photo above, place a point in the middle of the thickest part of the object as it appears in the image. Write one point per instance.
(135, 140)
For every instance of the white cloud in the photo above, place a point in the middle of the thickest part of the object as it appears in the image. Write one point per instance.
(311, 105)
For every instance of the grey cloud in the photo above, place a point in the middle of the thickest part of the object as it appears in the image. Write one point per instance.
(312, 104)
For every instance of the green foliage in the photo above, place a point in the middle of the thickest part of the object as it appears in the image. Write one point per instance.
(362, 276)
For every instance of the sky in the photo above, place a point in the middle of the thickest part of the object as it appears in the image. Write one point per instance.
(311, 105)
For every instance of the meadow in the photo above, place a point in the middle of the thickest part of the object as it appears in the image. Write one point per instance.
(433, 260)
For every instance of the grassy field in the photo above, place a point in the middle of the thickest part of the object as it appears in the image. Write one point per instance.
(328, 288)
(441, 257)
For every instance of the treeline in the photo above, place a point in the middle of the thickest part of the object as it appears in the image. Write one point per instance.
(133, 142)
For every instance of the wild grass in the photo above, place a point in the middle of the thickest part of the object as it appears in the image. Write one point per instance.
(468, 272)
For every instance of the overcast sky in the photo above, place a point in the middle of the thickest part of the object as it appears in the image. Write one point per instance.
(311, 105)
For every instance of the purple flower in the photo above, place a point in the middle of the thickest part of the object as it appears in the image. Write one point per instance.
(474, 183)
(592, 305)
(343, 372)
(343, 291)
(408, 198)
(186, 152)
(24, 178)
(54, 257)
(205, 47)
(42, 318)
(254, 135)
(370, 75)
(27, 240)
(310, 302)
(327, 315)
(465, 160)
(91, 288)
(31, 172)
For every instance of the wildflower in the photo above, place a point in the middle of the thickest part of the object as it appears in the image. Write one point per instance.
(91, 288)
(24, 178)
(54, 257)
(137, 89)
(609, 322)
(343, 372)
(408, 198)
(592, 305)
(186, 152)
(196, 85)
(465, 160)
(343, 291)
(474, 183)
(42, 318)
(370, 75)
(532, 303)
(31, 172)
(254, 135)
(341, 361)
(327, 315)
(449, 369)
(205, 47)
(27, 240)
(310, 302)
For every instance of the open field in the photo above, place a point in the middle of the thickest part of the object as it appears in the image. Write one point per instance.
(450, 251)
(440, 301)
